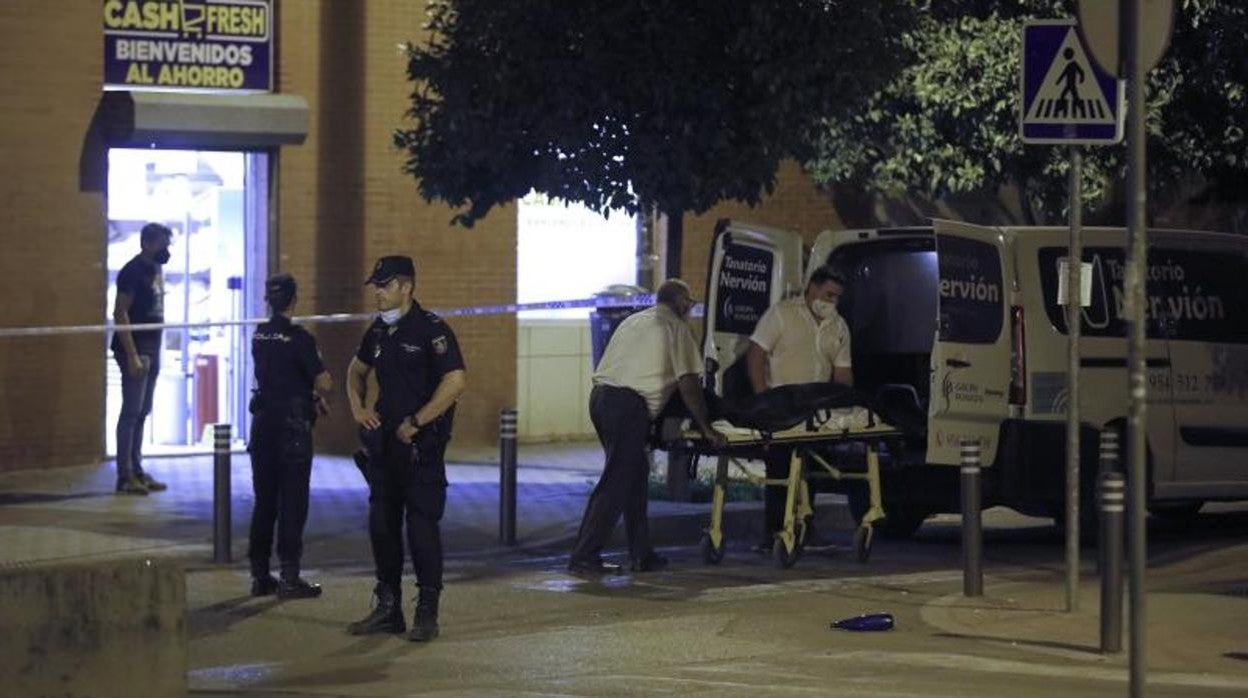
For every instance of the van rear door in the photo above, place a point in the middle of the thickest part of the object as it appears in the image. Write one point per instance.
(971, 356)
(751, 267)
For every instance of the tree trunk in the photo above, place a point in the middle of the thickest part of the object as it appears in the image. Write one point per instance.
(675, 239)
(645, 247)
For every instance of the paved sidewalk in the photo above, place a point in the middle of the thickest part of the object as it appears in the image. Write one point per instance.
(72, 513)
(1198, 600)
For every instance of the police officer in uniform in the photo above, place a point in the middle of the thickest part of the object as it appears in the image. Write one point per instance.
(287, 396)
(420, 375)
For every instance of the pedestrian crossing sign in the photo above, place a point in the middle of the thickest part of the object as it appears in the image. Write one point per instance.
(1067, 98)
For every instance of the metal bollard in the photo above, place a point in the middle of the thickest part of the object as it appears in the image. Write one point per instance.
(1112, 498)
(972, 524)
(221, 493)
(507, 476)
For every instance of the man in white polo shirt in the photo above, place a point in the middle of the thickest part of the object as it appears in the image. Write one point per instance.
(798, 340)
(651, 355)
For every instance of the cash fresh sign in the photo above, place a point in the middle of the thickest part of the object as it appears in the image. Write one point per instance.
(188, 45)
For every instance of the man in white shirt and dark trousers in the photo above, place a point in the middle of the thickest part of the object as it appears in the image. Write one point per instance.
(798, 340)
(650, 356)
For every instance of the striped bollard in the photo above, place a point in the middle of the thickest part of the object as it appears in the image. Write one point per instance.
(972, 524)
(221, 493)
(1112, 504)
(507, 476)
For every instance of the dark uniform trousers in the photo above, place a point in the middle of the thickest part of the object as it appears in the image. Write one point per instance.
(281, 466)
(622, 421)
(407, 485)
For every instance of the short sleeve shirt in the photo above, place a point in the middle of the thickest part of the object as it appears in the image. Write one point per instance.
(142, 281)
(286, 359)
(649, 352)
(410, 359)
(801, 348)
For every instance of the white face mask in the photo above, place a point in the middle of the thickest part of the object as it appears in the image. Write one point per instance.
(823, 309)
(391, 316)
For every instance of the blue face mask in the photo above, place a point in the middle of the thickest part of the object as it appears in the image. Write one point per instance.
(391, 316)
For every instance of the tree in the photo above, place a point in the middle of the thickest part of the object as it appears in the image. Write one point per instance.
(677, 104)
(948, 122)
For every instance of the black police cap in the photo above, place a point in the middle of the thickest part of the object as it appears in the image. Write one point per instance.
(389, 267)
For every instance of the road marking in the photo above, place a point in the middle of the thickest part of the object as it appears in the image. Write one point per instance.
(633, 679)
(989, 665)
(808, 586)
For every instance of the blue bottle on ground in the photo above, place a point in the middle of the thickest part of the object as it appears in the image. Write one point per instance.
(868, 622)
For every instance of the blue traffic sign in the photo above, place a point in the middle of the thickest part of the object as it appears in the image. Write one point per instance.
(1067, 98)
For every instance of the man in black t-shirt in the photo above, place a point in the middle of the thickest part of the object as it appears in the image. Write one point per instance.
(420, 375)
(140, 300)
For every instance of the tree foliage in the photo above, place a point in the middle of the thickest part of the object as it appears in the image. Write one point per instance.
(678, 103)
(948, 123)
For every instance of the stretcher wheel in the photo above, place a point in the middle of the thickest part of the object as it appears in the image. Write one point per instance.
(862, 542)
(783, 558)
(711, 555)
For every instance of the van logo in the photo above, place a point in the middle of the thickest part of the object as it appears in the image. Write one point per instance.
(975, 288)
(743, 282)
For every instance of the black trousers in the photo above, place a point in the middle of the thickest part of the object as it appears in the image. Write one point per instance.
(777, 468)
(281, 466)
(407, 486)
(622, 421)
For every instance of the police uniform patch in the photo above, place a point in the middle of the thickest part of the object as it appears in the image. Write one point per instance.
(439, 345)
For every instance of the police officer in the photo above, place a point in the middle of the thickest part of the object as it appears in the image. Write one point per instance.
(289, 380)
(420, 375)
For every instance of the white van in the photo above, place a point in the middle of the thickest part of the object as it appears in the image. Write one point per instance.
(968, 316)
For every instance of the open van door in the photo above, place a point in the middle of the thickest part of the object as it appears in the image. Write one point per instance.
(971, 357)
(751, 267)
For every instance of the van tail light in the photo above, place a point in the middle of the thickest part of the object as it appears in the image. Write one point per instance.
(1018, 358)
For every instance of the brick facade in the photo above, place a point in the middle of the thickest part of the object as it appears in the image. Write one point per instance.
(342, 201)
(52, 264)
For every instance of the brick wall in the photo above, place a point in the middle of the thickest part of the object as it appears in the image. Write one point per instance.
(344, 201)
(796, 205)
(51, 234)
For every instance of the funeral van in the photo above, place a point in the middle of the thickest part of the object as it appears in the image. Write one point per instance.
(967, 320)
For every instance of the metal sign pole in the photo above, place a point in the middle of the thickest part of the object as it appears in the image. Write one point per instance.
(1137, 261)
(1074, 312)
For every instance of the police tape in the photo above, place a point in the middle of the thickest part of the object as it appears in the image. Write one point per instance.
(472, 311)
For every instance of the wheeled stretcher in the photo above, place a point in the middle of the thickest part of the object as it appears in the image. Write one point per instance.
(812, 444)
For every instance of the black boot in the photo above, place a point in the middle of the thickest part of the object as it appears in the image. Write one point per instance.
(386, 616)
(263, 584)
(294, 587)
(425, 623)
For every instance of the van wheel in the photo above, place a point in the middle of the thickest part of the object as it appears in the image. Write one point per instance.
(1176, 511)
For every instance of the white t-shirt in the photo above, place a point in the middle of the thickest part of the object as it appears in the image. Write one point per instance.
(648, 353)
(800, 347)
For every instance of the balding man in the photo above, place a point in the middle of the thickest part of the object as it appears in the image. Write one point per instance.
(651, 355)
